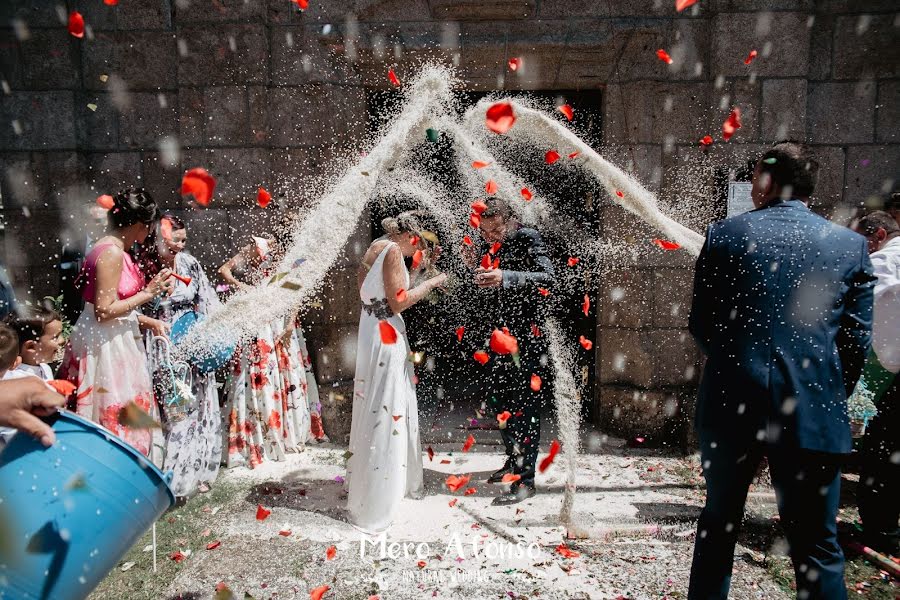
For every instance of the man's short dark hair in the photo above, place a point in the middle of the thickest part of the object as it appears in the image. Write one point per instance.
(9, 347)
(497, 207)
(791, 164)
(876, 220)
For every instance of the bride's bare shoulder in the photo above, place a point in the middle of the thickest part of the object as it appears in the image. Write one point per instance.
(375, 248)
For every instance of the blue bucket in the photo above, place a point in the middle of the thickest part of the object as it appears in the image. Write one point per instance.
(69, 513)
(206, 360)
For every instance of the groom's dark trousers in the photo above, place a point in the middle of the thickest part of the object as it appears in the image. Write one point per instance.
(782, 309)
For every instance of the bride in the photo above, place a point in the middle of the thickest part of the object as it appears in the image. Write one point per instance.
(386, 460)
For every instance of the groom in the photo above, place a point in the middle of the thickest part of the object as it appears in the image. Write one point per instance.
(514, 301)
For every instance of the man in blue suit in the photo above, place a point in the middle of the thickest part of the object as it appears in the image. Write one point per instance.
(782, 309)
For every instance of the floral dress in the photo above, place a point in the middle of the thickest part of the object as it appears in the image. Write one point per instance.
(271, 396)
(106, 361)
(193, 432)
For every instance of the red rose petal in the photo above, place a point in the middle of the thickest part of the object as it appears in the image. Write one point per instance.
(106, 201)
(750, 57)
(706, 140)
(470, 441)
(495, 247)
(62, 387)
(110, 2)
(586, 305)
(76, 24)
(585, 343)
(317, 593)
(495, 264)
(510, 478)
(551, 157)
(453, 502)
(467, 240)
(666, 245)
(388, 333)
(566, 110)
(177, 556)
(491, 186)
(200, 184)
(454, 482)
(213, 545)
(731, 124)
(574, 154)
(285, 532)
(535, 331)
(664, 56)
(503, 343)
(620, 194)
(474, 220)
(393, 77)
(543, 291)
(479, 207)
(478, 164)
(504, 417)
(526, 193)
(486, 262)
(535, 383)
(514, 64)
(417, 259)
(564, 551)
(301, 4)
(482, 357)
(262, 513)
(470, 491)
(430, 453)
(499, 118)
(548, 460)
(680, 5)
(331, 552)
(263, 197)
(460, 331)
(573, 260)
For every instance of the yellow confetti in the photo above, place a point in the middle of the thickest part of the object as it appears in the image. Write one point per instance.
(104, 77)
(92, 106)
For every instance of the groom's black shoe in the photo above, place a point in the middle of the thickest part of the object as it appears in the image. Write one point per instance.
(497, 477)
(515, 495)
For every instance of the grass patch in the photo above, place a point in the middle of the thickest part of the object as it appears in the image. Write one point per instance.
(180, 524)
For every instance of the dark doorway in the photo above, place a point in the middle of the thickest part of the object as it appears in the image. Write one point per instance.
(449, 379)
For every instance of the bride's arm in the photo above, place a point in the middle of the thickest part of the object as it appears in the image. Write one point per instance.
(395, 277)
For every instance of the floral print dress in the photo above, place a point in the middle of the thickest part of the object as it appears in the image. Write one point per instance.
(106, 361)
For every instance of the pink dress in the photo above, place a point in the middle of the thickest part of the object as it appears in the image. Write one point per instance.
(106, 361)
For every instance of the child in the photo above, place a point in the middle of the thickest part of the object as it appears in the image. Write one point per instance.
(9, 358)
(40, 338)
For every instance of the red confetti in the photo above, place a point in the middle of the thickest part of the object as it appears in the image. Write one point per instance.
(503, 417)
(285, 532)
(393, 77)
(478, 164)
(548, 460)
(543, 291)
(76, 24)
(261, 513)
(460, 331)
(485, 262)
(213, 545)
(586, 305)
(535, 331)
(177, 556)
(479, 207)
(62, 387)
(574, 154)
(564, 551)
(620, 194)
(567, 110)
(514, 64)
(111, 2)
(453, 502)
(503, 343)
(495, 247)
(573, 260)
(417, 259)
(402, 296)
(200, 184)
(330, 553)
(535, 383)
(664, 56)
(500, 117)
(454, 482)
(470, 441)
(467, 240)
(263, 197)
(301, 4)
(667, 245)
(105, 201)
(680, 5)
(496, 264)
(430, 453)
(474, 221)
(526, 193)
(388, 333)
(491, 186)
(317, 593)
(731, 124)
(750, 57)
(585, 343)
(551, 157)
(706, 140)
(510, 478)
(470, 491)
(482, 357)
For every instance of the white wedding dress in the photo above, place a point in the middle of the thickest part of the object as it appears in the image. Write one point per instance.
(386, 463)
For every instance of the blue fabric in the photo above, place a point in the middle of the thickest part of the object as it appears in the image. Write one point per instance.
(782, 309)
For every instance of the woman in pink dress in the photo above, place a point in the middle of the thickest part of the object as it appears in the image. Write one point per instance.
(105, 357)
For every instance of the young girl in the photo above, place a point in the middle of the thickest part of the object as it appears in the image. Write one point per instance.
(105, 357)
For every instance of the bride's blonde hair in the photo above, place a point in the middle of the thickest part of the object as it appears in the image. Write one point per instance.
(405, 222)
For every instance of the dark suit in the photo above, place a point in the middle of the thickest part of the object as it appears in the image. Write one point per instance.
(783, 310)
(518, 304)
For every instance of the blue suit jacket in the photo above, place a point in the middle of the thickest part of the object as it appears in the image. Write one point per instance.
(783, 311)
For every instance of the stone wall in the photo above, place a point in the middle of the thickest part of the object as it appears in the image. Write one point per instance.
(260, 93)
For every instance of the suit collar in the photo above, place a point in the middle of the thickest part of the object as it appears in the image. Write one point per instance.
(791, 202)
